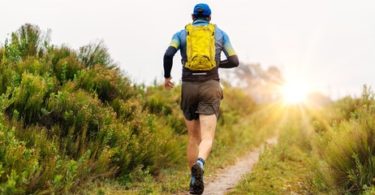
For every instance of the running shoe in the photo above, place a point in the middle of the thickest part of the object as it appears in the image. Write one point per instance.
(196, 184)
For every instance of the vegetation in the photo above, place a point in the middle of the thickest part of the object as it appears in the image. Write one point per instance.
(71, 119)
(287, 167)
(235, 136)
(68, 118)
(325, 151)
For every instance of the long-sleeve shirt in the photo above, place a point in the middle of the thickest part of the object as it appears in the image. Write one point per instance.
(222, 44)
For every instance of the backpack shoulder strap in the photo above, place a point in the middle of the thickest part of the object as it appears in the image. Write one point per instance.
(212, 28)
(188, 28)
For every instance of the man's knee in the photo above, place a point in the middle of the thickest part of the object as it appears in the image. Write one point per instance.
(194, 136)
(208, 122)
(193, 130)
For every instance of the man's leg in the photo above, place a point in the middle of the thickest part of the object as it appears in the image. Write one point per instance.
(207, 131)
(194, 138)
(207, 127)
(194, 134)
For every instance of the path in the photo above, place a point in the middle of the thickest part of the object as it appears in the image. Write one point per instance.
(230, 176)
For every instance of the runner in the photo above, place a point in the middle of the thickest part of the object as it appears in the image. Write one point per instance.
(200, 45)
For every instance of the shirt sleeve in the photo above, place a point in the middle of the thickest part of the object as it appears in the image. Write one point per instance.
(228, 49)
(176, 42)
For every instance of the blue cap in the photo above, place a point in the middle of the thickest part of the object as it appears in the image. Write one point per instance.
(202, 9)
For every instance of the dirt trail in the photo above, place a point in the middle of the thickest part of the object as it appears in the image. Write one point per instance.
(227, 178)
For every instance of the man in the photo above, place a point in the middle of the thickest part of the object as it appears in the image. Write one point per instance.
(200, 45)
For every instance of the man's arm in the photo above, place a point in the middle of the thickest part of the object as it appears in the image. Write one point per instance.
(230, 62)
(232, 58)
(168, 61)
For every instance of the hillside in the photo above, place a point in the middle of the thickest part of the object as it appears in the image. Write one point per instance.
(70, 117)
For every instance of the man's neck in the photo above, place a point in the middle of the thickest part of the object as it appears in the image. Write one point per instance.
(200, 21)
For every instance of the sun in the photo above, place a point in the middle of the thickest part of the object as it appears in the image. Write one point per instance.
(294, 93)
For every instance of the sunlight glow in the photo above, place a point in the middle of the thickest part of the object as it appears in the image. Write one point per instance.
(294, 93)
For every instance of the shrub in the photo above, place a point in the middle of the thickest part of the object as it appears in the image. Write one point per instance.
(351, 149)
(9, 78)
(18, 164)
(29, 97)
(32, 65)
(107, 83)
(2, 54)
(26, 41)
(167, 106)
(235, 105)
(63, 63)
(93, 54)
(80, 117)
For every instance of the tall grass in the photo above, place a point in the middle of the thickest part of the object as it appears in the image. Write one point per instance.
(336, 157)
(350, 153)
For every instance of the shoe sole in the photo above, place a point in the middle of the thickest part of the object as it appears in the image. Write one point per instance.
(198, 186)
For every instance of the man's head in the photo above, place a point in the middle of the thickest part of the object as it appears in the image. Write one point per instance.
(201, 11)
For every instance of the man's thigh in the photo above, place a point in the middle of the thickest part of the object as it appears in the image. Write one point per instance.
(210, 95)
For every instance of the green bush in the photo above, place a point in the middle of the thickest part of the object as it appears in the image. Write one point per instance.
(68, 117)
(2, 54)
(18, 163)
(107, 83)
(26, 41)
(94, 54)
(80, 117)
(9, 78)
(64, 62)
(29, 97)
(166, 104)
(351, 151)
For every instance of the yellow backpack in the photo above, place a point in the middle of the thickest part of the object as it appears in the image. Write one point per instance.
(200, 47)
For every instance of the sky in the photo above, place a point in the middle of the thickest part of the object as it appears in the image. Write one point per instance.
(327, 45)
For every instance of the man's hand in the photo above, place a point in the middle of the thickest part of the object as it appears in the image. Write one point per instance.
(168, 84)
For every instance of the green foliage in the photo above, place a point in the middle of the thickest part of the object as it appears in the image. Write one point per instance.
(28, 98)
(369, 190)
(26, 41)
(166, 104)
(68, 117)
(9, 78)
(19, 163)
(81, 118)
(63, 63)
(287, 167)
(107, 83)
(233, 138)
(351, 150)
(2, 54)
(337, 157)
(32, 65)
(93, 54)
(235, 105)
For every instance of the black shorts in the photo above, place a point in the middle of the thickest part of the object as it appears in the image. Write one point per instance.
(200, 98)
